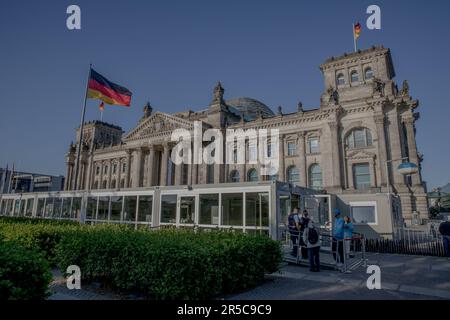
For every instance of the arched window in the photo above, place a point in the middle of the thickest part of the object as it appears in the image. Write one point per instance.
(252, 175)
(340, 80)
(113, 184)
(368, 74)
(315, 177)
(234, 176)
(293, 175)
(104, 184)
(354, 76)
(359, 138)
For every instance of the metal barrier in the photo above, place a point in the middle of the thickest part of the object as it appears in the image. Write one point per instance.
(343, 255)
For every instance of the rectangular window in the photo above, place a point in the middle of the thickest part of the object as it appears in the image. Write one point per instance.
(116, 208)
(257, 209)
(145, 209)
(361, 173)
(76, 208)
(65, 212)
(91, 208)
(209, 209)
(252, 153)
(292, 148)
(364, 213)
(313, 144)
(187, 210)
(103, 208)
(129, 209)
(168, 208)
(232, 208)
(29, 211)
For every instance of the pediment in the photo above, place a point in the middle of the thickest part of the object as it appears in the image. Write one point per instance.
(360, 155)
(158, 124)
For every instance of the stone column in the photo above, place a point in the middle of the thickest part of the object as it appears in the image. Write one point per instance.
(335, 158)
(194, 173)
(281, 171)
(164, 164)
(151, 166)
(68, 182)
(178, 171)
(412, 148)
(110, 169)
(137, 164)
(302, 158)
(396, 152)
(128, 171)
(382, 153)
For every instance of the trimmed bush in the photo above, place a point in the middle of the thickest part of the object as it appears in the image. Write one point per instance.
(170, 264)
(24, 274)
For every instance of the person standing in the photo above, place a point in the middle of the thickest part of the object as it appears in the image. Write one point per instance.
(312, 242)
(444, 229)
(348, 235)
(294, 227)
(304, 221)
(338, 237)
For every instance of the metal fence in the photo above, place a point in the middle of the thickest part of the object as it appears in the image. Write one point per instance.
(409, 241)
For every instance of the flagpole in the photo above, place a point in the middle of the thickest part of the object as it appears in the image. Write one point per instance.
(101, 115)
(354, 36)
(77, 162)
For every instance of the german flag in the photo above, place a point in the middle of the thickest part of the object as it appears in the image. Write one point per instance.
(101, 88)
(357, 30)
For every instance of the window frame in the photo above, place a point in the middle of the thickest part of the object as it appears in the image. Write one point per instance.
(364, 204)
(354, 165)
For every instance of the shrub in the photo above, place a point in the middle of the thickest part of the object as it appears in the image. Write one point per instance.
(170, 264)
(24, 273)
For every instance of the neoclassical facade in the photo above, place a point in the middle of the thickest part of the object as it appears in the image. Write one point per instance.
(351, 144)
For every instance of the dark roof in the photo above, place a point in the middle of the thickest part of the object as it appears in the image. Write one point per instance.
(249, 107)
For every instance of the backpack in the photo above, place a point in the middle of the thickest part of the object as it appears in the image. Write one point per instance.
(313, 236)
(291, 221)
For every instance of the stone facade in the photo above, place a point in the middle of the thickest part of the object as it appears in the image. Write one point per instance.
(351, 144)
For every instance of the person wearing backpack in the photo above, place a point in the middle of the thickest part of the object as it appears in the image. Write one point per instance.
(312, 241)
(303, 222)
(294, 227)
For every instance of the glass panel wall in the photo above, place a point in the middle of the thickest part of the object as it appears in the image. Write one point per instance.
(116, 208)
(209, 209)
(57, 207)
(48, 213)
(187, 210)
(91, 208)
(232, 209)
(145, 209)
(76, 208)
(65, 211)
(129, 209)
(23, 204)
(168, 208)
(103, 208)
(257, 209)
(40, 207)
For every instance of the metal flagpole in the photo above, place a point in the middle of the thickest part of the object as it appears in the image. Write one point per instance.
(77, 162)
(101, 115)
(354, 36)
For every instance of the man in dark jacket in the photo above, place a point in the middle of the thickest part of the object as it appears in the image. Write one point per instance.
(293, 225)
(304, 221)
(444, 229)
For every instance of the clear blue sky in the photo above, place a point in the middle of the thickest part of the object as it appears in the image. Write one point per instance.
(173, 52)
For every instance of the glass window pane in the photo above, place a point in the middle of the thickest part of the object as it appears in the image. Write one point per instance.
(49, 208)
(169, 208)
(360, 138)
(65, 212)
(361, 175)
(57, 207)
(187, 210)
(313, 145)
(145, 208)
(354, 76)
(293, 175)
(129, 209)
(209, 209)
(91, 208)
(363, 214)
(253, 175)
(29, 210)
(22, 207)
(76, 208)
(40, 208)
(292, 148)
(103, 208)
(257, 209)
(232, 208)
(116, 208)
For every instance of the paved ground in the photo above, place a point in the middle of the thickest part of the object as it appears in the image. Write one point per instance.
(402, 277)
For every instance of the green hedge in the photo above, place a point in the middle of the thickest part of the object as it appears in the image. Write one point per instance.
(24, 273)
(170, 264)
(165, 264)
